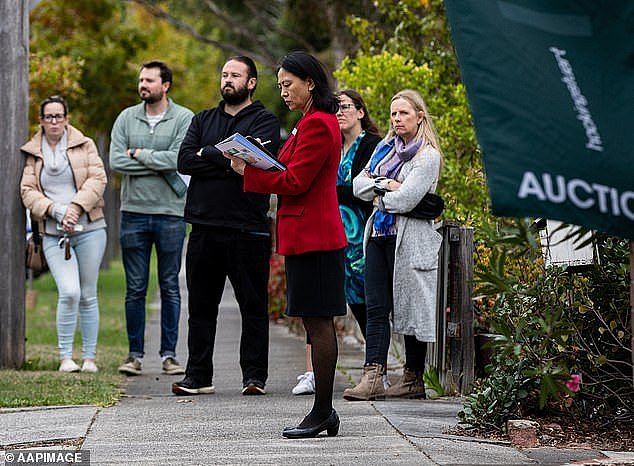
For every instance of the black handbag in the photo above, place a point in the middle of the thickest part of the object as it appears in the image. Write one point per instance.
(429, 208)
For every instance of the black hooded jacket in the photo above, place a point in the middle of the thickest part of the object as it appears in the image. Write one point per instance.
(215, 196)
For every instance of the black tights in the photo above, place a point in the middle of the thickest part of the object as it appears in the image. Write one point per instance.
(321, 332)
(415, 353)
(360, 313)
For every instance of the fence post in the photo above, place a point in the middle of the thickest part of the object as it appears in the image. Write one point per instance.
(458, 244)
(453, 353)
(14, 76)
(437, 352)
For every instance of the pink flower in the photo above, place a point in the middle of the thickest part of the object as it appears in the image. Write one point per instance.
(574, 384)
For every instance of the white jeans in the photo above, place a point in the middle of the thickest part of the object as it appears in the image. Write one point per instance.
(76, 281)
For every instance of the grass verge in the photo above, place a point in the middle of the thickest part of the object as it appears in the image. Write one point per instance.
(39, 383)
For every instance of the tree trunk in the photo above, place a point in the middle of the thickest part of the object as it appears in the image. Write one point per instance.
(338, 31)
(14, 76)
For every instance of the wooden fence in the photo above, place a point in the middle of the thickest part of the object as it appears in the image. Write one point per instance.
(453, 354)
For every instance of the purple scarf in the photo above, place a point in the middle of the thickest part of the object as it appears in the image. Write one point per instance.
(384, 221)
(402, 153)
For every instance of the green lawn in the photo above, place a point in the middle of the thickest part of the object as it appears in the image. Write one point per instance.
(39, 383)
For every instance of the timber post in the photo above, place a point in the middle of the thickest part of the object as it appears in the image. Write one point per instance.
(14, 76)
(460, 362)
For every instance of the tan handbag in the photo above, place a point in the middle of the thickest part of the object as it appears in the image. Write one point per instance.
(35, 259)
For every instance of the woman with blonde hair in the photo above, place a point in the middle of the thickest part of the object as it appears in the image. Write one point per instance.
(401, 252)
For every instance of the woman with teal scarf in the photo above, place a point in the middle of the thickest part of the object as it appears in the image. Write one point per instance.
(401, 253)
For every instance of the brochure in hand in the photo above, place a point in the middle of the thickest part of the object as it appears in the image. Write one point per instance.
(251, 151)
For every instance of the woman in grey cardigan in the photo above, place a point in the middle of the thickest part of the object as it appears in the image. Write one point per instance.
(401, 252)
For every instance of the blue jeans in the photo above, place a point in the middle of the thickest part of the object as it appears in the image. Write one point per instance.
(379, 273)
(76, 281)
(137, 234)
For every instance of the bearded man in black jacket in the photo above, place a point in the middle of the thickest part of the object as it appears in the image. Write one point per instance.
(230, 235)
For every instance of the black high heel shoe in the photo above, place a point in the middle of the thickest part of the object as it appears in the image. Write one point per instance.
(330, 425)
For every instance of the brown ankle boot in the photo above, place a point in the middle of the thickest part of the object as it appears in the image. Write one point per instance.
(410, 385)
(370, 387)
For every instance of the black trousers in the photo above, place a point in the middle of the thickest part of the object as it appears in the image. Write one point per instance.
(213, 254)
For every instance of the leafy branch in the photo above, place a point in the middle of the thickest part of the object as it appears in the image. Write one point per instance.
(258, 48)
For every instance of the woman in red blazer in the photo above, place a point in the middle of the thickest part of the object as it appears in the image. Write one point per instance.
(309, 230)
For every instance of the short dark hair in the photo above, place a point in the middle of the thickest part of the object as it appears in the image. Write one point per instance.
(166, 72)
(304, 66)
(54, 99)
(252, 71)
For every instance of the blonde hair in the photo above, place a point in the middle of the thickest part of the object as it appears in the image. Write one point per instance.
(426, 131)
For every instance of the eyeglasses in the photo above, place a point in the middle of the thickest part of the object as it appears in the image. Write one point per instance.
(346, 107)
(57, 117)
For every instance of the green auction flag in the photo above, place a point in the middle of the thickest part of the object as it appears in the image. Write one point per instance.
(550, 84)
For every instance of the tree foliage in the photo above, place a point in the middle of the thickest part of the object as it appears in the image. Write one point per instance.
(90, 52)
(415, 29)
(264, 31)
(85, 45)
(53, 75)
(196, 69)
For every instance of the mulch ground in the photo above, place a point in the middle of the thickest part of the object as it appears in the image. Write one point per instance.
(566, 431)
(569, 432)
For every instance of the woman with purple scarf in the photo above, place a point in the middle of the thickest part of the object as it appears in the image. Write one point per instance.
(401, 252)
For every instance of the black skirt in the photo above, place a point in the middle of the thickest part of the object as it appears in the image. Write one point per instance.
(314, 283)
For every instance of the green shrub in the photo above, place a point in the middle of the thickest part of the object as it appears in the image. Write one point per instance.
(600, 345)
(549, 326)
(498, 396)
(432, 381)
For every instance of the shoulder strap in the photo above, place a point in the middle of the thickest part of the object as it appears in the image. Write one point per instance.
(35, 228)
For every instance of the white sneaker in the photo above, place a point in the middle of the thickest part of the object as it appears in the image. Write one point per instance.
(68, 365)
(306, 384)
(89, 366)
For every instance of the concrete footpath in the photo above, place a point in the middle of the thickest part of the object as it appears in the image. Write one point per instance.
(150, 426)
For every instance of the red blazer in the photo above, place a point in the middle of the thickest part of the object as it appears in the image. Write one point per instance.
(308, 217)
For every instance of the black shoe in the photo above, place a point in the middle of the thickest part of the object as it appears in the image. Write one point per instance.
(330, 425)
(189, 386)
(253, 387)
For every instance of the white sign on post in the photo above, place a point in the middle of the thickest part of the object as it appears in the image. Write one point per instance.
(560, 251)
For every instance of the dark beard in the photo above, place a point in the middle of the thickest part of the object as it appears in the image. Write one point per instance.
(151, 98)
(235, 96)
